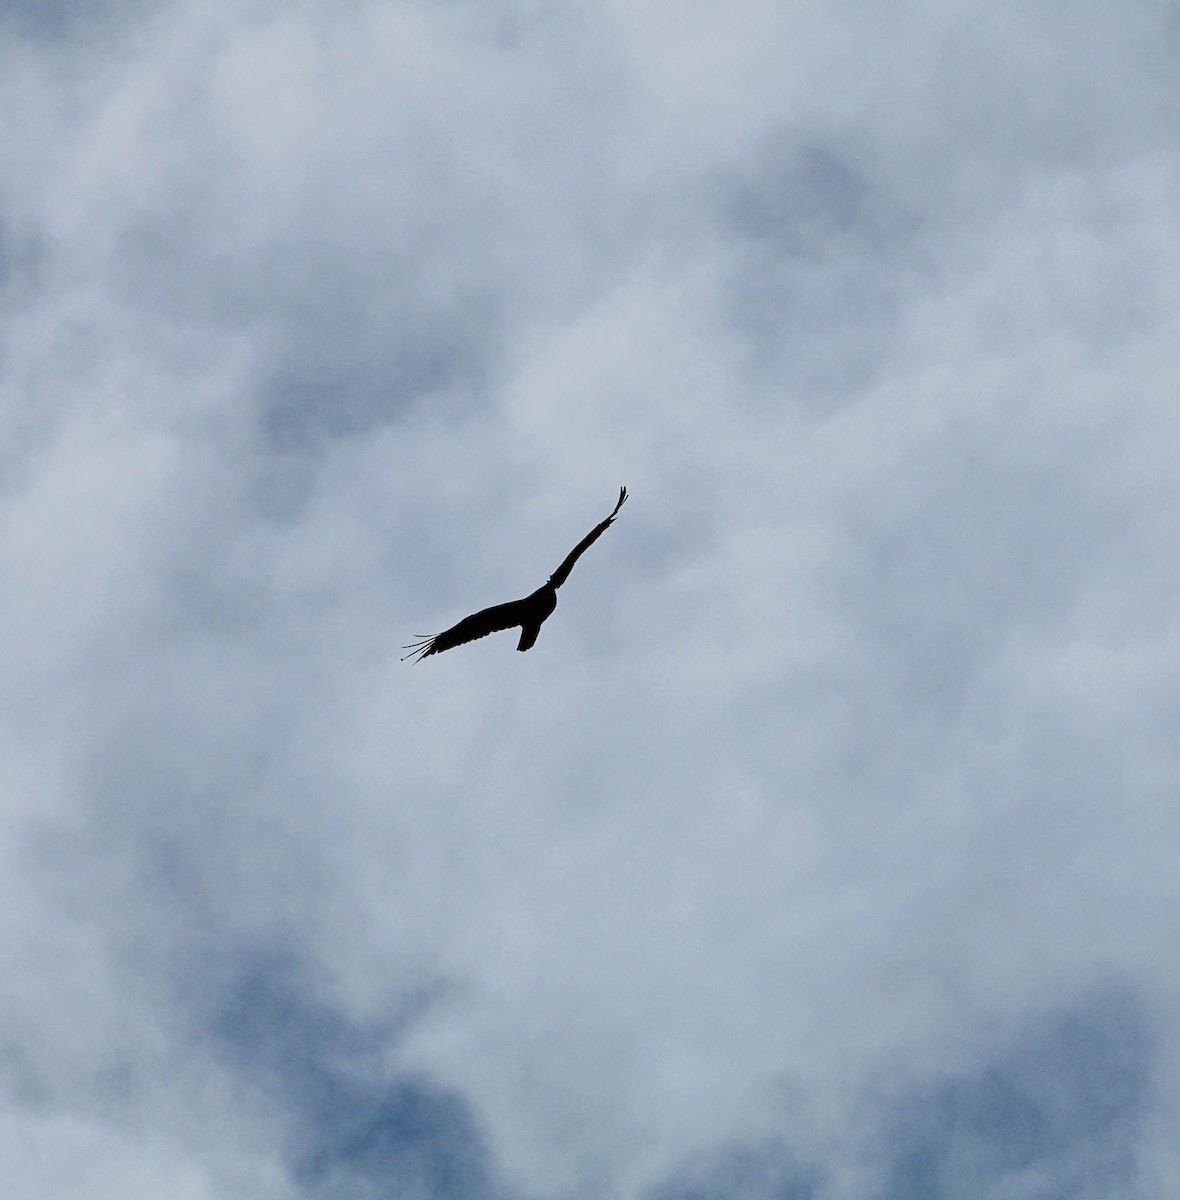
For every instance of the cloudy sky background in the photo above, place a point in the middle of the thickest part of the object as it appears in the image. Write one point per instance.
(824, 848)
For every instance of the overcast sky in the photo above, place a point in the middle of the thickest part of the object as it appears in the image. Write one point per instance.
(825, 846)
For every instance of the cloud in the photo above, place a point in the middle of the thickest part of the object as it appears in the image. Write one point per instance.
(1057, 1118)
(822, 846)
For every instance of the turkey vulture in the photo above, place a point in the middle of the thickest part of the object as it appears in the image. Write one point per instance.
(529, 613)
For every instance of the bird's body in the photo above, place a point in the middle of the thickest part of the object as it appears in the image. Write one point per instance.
(529, 613)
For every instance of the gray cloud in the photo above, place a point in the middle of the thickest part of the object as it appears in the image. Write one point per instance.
(822, 847)
(1059, 1117)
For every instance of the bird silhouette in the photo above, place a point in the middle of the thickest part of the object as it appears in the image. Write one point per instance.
(530, 613)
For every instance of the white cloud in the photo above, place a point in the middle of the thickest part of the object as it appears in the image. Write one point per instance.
(838, 790)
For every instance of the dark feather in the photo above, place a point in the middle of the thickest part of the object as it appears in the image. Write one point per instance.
(563, 572)
(470, 629)
(529, 613)
(528, 636)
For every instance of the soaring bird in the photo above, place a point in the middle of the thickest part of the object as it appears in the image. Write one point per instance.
(529, 613)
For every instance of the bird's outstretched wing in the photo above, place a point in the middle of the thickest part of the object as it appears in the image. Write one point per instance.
(563, 572)
(480, 624)
(529, 613)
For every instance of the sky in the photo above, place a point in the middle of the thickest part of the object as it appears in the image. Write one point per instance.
(824, 846)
